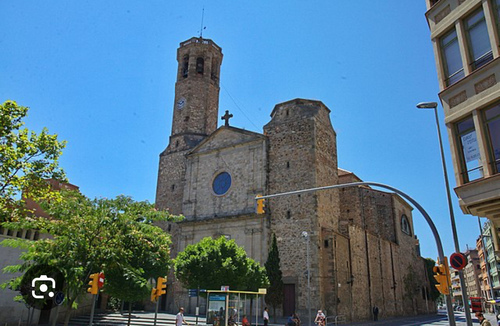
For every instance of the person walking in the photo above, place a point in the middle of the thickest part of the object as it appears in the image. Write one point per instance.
(375, 313)
(482, 321)
(179, 319)
(265, 316)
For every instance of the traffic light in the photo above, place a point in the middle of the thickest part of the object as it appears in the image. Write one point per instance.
(260, 205)
(153, 295)
(93, 288)
(442, 276)
(161, 286)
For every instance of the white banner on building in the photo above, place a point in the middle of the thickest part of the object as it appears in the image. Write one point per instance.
(471, 150)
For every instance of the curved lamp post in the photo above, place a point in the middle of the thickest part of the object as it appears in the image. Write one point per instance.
(439, 245)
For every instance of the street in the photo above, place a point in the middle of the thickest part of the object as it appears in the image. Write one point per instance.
(440, 319)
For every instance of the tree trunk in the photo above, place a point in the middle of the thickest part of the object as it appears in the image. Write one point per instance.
(129, 313)
(68, 312)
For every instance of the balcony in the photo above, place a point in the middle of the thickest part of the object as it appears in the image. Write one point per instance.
(481, 197)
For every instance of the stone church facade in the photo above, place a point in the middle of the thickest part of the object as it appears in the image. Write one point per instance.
(363, 251)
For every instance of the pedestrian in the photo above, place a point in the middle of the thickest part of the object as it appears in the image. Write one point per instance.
(375, 313)
(179, 319)
(320, 318)
(296, 319)
(482, 321)
(265, 316)
(244, 321)
(290, 321)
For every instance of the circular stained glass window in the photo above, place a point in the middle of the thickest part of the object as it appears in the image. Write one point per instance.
(222, 183)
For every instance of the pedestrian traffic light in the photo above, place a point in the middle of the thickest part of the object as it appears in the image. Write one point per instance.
(153, 295)
(161, 286)
(261, 205)
(442, 276)
(93, 288)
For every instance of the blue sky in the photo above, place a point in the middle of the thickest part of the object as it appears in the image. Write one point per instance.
(101, 75)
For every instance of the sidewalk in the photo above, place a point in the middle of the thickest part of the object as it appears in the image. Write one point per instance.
(433, 319)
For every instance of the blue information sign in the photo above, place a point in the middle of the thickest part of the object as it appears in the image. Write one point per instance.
(217, 297)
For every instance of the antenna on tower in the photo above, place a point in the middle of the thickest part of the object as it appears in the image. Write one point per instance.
(202, 27)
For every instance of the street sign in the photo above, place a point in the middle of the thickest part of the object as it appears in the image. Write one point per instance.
(100, 280)
(193, 293)
(458, 261)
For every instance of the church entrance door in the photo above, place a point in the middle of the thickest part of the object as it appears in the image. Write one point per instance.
(289, 299)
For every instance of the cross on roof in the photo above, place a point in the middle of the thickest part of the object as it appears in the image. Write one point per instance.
(226, 117)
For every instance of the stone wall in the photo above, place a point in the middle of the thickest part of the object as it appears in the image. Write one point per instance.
(302, 154)
(11, 311)
(170, 186)
(240, 153)
(386, 267)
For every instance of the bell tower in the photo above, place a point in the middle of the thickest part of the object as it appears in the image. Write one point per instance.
(195, 115)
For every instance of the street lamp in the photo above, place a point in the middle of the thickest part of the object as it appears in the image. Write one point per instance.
(306, 236)
(433, 105)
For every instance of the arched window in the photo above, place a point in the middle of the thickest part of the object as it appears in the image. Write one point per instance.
(200, 65)
(405, 225)
(185, 66)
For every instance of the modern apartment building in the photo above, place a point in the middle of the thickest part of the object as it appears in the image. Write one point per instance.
(483, 276)
(472, 273)
(491, 260)
(456, 288)
(465, 36)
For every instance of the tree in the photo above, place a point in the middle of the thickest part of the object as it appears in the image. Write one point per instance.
(434, 293)
(214, 262)
(274, 295)
(411, 287)
(27, 159)
(116, 236)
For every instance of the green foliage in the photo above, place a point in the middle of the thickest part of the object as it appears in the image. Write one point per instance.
(212, 263)
(434, 293)
(27, 160)
(411, 284)
(116, 236)
(114, 303)
(274, 296)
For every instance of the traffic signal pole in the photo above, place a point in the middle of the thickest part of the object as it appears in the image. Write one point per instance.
(156, 310)
(94, 290)
(439, 245)
(94, 300)
(156, 293)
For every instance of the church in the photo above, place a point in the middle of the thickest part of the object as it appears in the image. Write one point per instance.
(360, 244)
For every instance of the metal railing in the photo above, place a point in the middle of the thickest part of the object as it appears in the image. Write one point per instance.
(335, 320)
